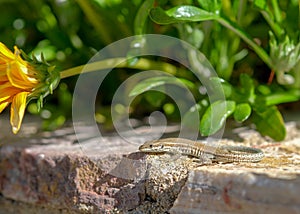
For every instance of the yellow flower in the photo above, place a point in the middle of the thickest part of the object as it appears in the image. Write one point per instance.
(21, 81)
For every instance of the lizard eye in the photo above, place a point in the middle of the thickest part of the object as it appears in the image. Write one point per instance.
(150, 145)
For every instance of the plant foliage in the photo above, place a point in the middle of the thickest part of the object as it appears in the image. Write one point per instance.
(247, 43)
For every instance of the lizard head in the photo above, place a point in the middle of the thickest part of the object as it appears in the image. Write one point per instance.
(160, 146)
(155, 146)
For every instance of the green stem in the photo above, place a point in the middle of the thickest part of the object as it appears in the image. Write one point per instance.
(258, 50)
(278, 31)
(142, 64)
(142, 16)
(240, 12)
(277, 12)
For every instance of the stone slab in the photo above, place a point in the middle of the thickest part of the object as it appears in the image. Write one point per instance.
(53, 172)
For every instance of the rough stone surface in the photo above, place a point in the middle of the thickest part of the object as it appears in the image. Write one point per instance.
(240, 191)
(269, 186)
(50, 172)
(71, 182)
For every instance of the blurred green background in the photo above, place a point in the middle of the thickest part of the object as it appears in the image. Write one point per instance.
(69, 33)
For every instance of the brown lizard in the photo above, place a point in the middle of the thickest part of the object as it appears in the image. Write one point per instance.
(221, 153)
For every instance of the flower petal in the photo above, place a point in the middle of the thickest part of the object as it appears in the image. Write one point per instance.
(7, 91)
(3, 106)
(18, 78)
(3, 68)
(17, 111)
(5, 53)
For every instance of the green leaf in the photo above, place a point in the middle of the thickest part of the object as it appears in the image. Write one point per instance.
(247, 83)
(269, 122)
(285, 55)
(177, 14)
(215, 116)
(194, 113)
(220, 86)
(264, 90)
(282, 97)
(248, 87)
(150, 83)
(242, 112)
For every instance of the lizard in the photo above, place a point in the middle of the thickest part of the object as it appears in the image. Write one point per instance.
(201, 150)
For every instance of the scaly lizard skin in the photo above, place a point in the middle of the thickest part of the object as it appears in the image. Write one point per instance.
(222, 153)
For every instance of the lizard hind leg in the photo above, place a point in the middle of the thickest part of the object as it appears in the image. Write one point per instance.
(203, 159)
